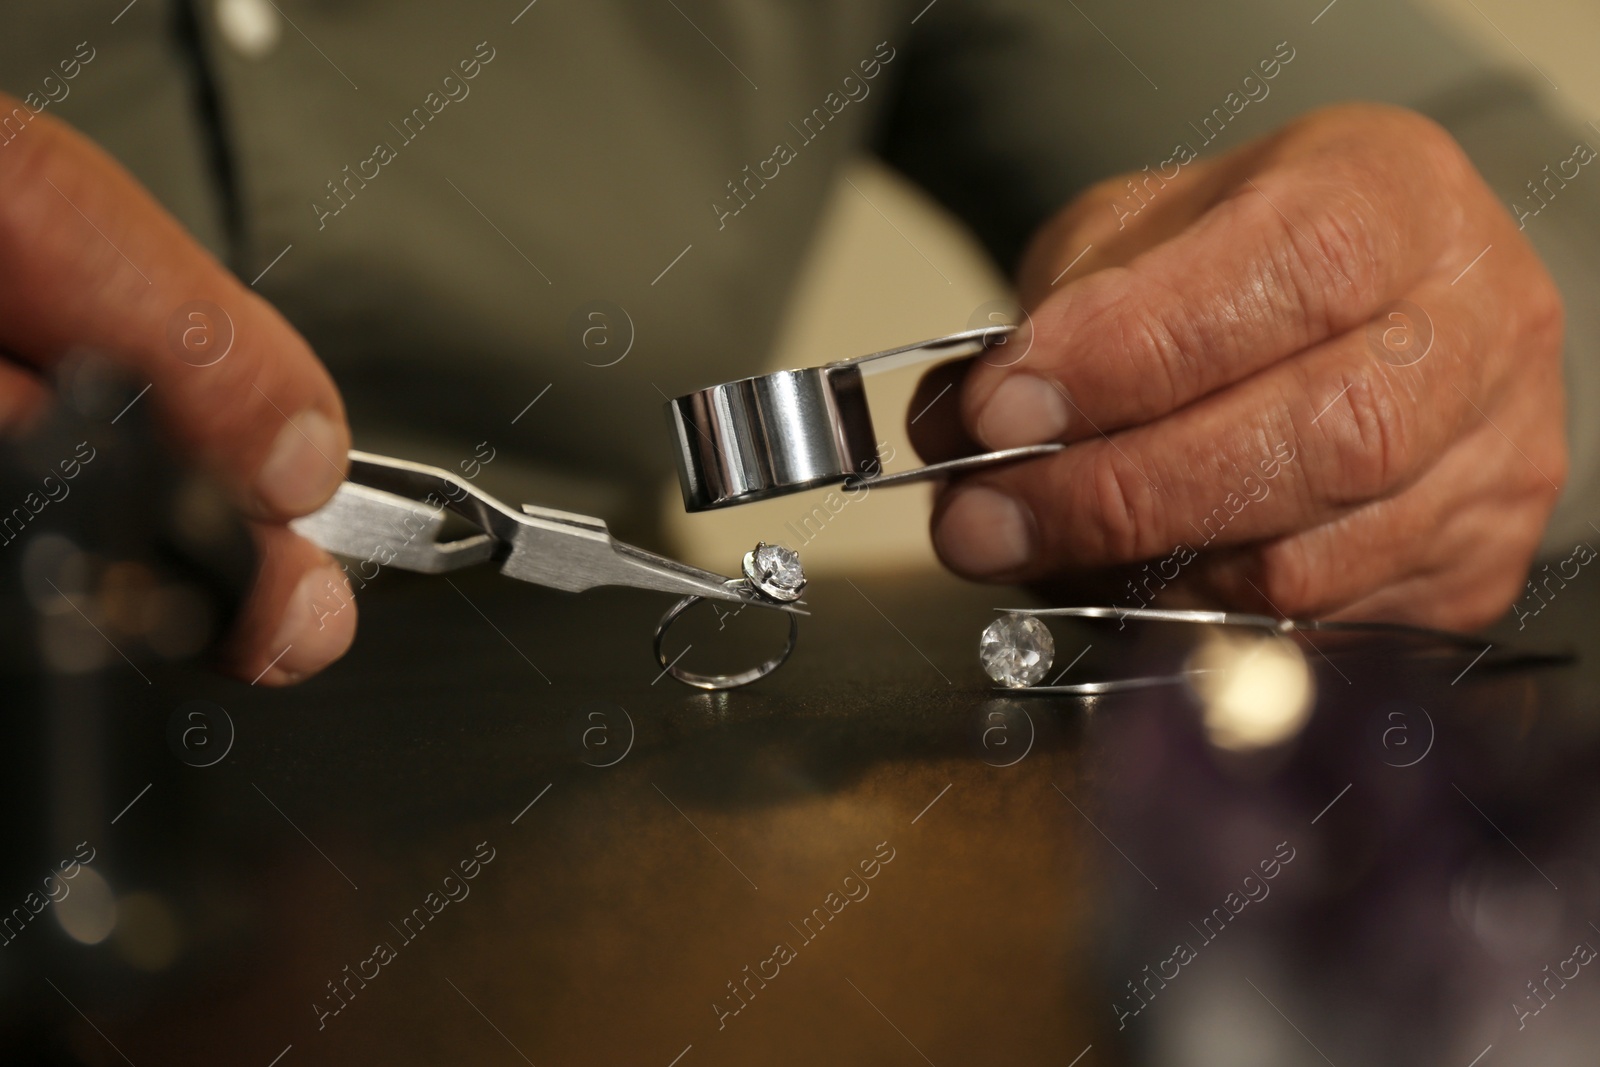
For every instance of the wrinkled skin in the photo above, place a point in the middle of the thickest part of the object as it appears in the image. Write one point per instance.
(91, 261)
(1241, 313)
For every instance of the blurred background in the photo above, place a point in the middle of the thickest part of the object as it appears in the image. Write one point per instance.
(890, 266)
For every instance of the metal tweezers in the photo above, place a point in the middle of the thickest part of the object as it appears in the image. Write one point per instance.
(1510, 655)
(392, 512)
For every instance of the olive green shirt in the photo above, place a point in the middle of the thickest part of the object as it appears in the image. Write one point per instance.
(442, 198)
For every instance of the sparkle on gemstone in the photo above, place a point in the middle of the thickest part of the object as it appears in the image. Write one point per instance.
(776, 571)
(1016, 650)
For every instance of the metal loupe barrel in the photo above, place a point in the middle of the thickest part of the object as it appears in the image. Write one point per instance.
(778, 433)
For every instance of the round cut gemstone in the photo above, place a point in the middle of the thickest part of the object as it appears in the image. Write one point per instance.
(1016, 650)
(776, 571)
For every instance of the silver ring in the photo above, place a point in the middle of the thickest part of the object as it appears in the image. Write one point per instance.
(773, 574)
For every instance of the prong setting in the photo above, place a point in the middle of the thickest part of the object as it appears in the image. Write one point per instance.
(775, 572)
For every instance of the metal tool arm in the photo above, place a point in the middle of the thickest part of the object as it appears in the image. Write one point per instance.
(393, 511)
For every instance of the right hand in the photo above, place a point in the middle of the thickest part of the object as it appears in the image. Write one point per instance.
(91, 261)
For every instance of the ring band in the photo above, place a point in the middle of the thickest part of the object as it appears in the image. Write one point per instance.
(717, 681)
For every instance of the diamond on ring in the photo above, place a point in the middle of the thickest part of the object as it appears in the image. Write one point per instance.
(772, 576)
(775, 572)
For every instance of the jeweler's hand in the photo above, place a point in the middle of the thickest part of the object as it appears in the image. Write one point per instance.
(90, 261)
(1247, 408)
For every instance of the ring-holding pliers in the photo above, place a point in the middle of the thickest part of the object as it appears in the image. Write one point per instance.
(392, 512)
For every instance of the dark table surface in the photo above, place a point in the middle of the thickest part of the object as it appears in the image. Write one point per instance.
(869, 857)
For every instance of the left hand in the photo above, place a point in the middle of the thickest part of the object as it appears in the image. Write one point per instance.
(1242, 405)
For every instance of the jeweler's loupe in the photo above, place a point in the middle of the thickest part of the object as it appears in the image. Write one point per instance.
(782, 433)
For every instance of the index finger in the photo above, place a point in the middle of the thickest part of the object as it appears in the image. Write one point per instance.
(91, 260)
(1320, 230)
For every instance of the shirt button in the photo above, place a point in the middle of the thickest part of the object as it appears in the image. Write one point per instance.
(250, 26)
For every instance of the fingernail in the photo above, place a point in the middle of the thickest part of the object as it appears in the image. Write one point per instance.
(319, 624)
(1024, 410)
(304, 465)
(984, 532)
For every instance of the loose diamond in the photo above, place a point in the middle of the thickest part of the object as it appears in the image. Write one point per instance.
(776, 571)
(1016, 650)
